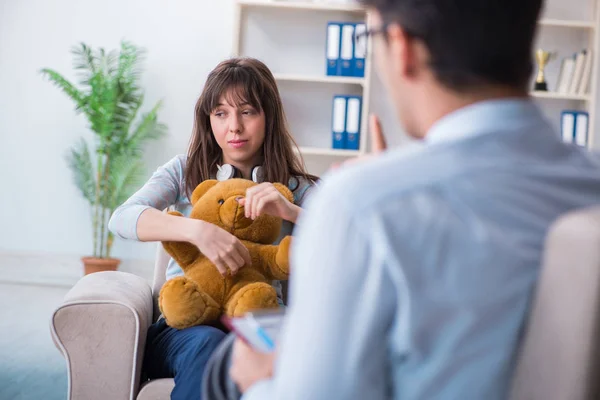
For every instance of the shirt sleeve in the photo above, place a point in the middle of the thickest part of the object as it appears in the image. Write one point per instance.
(162, 190)
(334, 341)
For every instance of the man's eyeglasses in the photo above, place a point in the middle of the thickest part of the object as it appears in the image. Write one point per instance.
(365, 34)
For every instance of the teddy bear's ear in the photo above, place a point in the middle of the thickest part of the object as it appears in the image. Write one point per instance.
(284, 191)
(202, 188)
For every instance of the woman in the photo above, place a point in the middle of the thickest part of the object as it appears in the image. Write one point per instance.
(240, 130)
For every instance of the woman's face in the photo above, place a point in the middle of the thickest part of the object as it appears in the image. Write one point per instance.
(239, 132)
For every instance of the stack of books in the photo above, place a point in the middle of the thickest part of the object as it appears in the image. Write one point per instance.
(575, 74)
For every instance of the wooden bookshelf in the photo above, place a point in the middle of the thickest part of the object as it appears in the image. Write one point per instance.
(288, 5)
(560, 96)
(586, 102)
(587, 31)
(567, 23)
(320, 84)
(317, 151)
(320, 79)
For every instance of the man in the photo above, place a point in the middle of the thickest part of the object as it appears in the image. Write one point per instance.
(413, 272)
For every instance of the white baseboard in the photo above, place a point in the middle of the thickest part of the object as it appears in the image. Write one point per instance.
(57, 269)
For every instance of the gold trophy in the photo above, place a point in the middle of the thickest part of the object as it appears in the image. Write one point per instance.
(543, 58)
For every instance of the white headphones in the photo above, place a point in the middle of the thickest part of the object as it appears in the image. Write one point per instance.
(228, 171)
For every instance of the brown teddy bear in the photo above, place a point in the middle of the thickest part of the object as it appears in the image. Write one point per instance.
(202, 295)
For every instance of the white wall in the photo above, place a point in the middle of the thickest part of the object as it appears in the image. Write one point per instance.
(40, 209)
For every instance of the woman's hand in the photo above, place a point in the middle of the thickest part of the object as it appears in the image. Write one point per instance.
(223, 249)
(266, 199)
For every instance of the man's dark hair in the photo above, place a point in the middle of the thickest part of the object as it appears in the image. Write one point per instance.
(471, 42)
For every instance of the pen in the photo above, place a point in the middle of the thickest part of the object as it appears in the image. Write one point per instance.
(261, 333)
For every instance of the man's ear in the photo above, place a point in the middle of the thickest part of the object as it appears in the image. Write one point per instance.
(202, 188)
(284, 191)
(403, 51)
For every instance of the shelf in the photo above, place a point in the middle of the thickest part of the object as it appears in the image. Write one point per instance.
(320, 79)
(559, 96)
(316, 151)
(303, 5)
(567, 23)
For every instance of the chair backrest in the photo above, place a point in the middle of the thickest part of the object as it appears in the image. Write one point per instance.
(160, 270)
(559, 356)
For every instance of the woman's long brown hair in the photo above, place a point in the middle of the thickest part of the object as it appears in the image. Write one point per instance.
(246, 80)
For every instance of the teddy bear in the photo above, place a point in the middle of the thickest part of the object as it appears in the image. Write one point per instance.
(203, 295)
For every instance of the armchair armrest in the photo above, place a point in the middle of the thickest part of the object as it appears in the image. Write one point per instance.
(101, 331)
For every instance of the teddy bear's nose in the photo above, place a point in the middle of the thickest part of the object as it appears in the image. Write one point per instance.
(240, 214)
(233, 213)
(239, 205)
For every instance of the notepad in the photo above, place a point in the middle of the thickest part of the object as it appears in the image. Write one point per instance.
(260, 330)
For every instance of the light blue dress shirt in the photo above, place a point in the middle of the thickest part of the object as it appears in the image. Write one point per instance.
(412, 273)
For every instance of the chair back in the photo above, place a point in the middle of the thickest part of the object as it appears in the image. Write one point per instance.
(559, 355)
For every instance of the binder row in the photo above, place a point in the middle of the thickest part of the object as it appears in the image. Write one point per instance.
(345, 52)
(575, 127)
(346, 120)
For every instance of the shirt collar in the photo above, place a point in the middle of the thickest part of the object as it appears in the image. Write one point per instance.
(482, 118)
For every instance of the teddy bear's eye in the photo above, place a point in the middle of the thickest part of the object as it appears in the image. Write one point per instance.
(221, 201)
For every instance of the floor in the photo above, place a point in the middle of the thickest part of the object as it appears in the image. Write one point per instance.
(31, 367)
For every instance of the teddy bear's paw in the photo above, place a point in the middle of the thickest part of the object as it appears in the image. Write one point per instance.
(255, 296)
(283, 258)
(183, 304)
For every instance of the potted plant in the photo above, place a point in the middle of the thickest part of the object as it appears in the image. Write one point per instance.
(111, 168)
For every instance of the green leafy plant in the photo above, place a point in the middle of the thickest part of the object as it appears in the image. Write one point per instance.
(110, 97)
